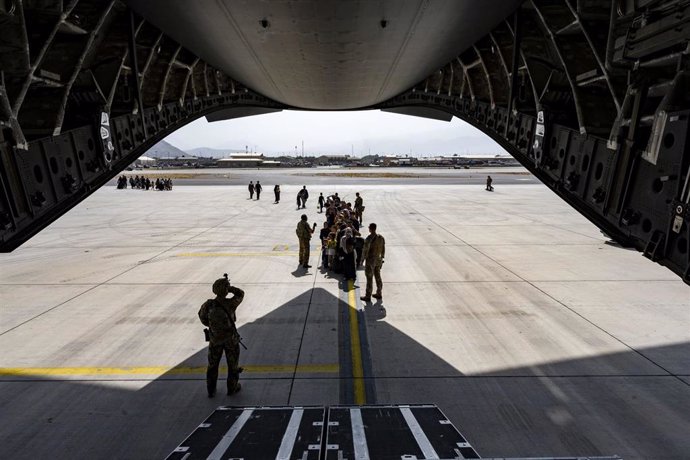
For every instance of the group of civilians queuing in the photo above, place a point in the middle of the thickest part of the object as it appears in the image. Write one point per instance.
(341, 240)
(343, 247)
(144, 183)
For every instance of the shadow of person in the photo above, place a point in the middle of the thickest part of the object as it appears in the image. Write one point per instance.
(375, 311)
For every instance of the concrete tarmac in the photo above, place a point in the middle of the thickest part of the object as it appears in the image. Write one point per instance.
(532, 332)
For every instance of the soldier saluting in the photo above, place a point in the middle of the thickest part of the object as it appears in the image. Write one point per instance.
(219, 316)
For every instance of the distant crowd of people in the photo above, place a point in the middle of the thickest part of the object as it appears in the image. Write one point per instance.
(144, 183)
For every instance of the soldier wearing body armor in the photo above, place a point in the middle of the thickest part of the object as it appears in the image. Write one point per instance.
(218, 315)
(373, 253)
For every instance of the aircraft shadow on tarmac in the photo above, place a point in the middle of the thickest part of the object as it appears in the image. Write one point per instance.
(590, 406)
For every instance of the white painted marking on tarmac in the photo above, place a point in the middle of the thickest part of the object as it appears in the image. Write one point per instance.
(230, 436)
(418, 433)
(288, 442)
(359, 439)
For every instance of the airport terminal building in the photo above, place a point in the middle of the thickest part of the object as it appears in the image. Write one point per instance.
(247, 160)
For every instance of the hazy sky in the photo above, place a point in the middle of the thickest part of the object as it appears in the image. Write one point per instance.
(364, 132)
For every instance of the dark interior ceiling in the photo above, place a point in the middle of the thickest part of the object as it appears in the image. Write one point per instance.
(326, 54)
(590, 95)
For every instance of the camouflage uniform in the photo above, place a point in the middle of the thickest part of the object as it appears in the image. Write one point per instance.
(219, 316)
(359, 208)
(304, 235)
(373, 254)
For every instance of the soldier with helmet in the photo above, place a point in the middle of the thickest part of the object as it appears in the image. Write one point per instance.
(218, 315)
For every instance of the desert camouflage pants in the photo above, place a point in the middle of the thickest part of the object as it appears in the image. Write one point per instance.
(304, 252)
(232, 357)
(371, 271)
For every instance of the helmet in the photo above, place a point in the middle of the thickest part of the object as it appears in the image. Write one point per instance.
(220, 284)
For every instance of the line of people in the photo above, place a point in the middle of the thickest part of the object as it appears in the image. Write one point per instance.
(144, 183)
(343, 247)
(302, 195)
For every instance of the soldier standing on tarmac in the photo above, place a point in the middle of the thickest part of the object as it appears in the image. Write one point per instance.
(374, 251)
(304, 232)
(276, 192)
(489, 187)
(359, 208)
(251, 189)
(218, 315)
(258, 189)
(322, 202)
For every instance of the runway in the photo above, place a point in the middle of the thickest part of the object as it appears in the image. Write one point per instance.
(534, 333)
(342, 176)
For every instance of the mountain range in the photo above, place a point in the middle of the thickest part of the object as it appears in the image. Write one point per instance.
(166, 150)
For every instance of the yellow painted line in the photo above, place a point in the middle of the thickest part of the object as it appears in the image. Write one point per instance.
(281, 247)
(160, 370)
(238, 254)
(356, 347)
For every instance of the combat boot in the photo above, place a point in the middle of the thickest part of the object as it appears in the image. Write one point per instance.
(377, 296)
(234, 389)
(365, 298)
(233, 381)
